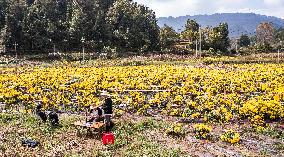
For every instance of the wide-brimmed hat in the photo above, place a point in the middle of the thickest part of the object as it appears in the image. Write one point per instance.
(92, 107)
(105, 93)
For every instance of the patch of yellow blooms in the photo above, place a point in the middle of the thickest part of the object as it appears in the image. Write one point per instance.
(231, 136)
(176, 129)
(214, 92)
(202, 131)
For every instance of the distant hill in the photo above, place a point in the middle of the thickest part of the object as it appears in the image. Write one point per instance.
(239, 23)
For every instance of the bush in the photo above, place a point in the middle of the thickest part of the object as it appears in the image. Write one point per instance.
(230, 137)
(263, 48)
(176, 130)
(262, 110)
(109, 52)
(202, 131)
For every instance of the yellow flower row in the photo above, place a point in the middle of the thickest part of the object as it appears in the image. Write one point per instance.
(213, 92)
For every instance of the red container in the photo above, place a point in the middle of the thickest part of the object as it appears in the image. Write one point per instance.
(108, 138)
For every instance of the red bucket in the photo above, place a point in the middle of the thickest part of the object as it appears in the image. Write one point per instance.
(108, 138)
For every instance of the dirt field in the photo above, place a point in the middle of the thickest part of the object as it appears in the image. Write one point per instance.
(135, 136)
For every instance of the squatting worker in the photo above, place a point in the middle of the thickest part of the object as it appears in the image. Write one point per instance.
(96, 115)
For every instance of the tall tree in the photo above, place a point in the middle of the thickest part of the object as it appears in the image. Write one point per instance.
(280, 34)
(168, 37)
(3, 7)
(15, 13)
(192, 25)
(191, 33)
(35, 27)
(88, 21)
(133, 26)
(244, 41)
(57, 20)
(219, 38)
(265, 33)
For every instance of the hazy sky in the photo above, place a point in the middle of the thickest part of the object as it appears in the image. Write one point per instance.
(194, 7)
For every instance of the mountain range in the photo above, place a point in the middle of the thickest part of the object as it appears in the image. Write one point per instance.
(239, 23)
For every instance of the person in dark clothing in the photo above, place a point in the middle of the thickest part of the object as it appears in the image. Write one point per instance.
(107, 107)
(41, 113)
(53, 118)
(96, 115)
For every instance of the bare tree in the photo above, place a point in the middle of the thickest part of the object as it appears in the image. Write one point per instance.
(265, 33)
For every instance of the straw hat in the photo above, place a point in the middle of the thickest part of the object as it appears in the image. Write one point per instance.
(105, 94)
(92, 107)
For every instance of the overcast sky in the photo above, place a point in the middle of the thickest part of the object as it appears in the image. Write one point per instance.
(195, 7)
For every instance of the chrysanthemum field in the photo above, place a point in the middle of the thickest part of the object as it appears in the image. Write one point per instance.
(225, 102)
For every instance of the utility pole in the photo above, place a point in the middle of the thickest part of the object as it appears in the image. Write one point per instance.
(54, 49)
(83, 48)
(237, 46)
(279, 51)
(15, 48)
(278, 56)
(196, 46)
(200, 44)
(83, 54)
(237, 43)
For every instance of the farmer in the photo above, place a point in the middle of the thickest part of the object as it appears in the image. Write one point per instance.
(107, 109)
(96, 115)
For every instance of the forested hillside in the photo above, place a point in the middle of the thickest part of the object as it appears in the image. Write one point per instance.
(239, 23)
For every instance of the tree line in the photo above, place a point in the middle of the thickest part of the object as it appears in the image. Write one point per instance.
(215, 40)
(101, 25)
(115, 26)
